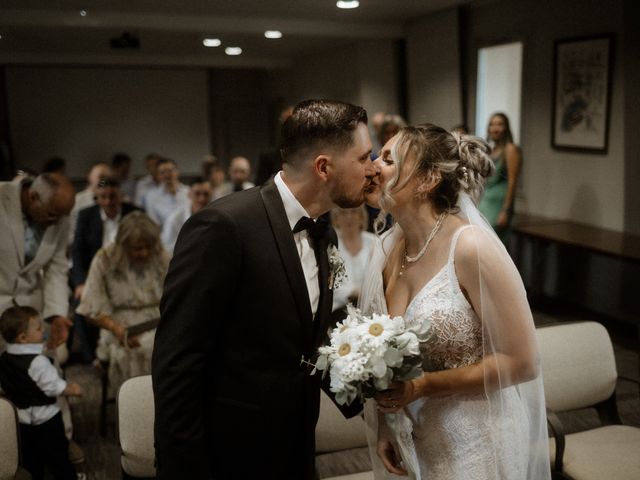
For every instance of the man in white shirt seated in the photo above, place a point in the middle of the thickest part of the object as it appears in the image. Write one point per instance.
(149, 181)
(169, 196)
(239, 173)
(200, 196)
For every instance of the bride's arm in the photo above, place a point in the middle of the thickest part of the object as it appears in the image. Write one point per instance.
(391, 460)
(493, 287)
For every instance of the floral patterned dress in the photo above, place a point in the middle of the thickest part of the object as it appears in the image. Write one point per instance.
(129, 297)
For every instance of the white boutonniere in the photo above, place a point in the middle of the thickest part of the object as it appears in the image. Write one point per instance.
(337, 270)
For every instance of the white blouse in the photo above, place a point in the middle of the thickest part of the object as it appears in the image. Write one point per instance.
(355, 266)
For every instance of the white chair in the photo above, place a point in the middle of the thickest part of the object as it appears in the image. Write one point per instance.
(135, 428)
(336, 434)
(579, 371)
(10, 443)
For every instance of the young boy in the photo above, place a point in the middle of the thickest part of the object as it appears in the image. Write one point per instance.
(32, 383)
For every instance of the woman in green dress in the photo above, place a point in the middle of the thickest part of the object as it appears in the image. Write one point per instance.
(499, 192)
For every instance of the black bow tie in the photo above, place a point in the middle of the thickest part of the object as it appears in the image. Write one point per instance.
(316, 229)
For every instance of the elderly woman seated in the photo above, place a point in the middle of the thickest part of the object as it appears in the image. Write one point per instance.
(123, 289)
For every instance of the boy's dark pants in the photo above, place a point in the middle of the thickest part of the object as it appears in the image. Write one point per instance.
(45, 445)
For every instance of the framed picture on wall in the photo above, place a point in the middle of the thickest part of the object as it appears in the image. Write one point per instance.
(582, 93)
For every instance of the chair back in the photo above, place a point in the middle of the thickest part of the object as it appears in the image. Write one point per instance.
(578, 365)
(136, 413)
(9, 445)
(334, 432)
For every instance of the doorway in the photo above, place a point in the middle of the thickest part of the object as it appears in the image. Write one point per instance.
(499, 86)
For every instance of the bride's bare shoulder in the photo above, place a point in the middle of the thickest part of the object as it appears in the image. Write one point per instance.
(473, 242)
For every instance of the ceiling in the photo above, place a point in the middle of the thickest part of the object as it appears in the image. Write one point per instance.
(171, 31)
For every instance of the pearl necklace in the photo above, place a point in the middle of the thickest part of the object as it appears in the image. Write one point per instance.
(406, 259)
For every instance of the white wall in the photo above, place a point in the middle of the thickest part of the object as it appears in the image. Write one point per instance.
(433, 69)
(328, 74)
(582, 187)
(88, 114)
(587, 188)
(499, 86)
(363, 73)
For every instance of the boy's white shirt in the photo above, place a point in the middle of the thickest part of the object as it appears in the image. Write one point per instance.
(46, 376)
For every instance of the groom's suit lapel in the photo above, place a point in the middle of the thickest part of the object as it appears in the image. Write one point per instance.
(288, 253)
(323, 314)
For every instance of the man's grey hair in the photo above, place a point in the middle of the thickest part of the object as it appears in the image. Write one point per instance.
(45, 186)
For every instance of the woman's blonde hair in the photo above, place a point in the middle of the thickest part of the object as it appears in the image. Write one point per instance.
(457, 163)
(134, 227)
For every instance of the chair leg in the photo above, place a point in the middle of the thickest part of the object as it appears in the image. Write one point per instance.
(104, 400)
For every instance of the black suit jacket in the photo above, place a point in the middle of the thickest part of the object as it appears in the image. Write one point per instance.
(235, 323)
(87, 241)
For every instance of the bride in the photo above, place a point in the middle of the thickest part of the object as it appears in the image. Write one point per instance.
(477, 412)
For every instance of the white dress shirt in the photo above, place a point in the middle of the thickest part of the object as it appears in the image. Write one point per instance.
(160, 203)
(295, 211)
(172, 226)
(45, 375)
(143, 186)
(109, 227)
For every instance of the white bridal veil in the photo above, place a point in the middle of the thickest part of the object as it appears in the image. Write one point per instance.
(507, 328)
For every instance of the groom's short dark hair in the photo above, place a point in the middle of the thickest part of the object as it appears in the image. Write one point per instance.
(316, 124)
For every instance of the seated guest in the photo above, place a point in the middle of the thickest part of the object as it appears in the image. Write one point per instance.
(239, 173)
(149, 181)
(121, 167)
(200, 196)
(32, 383)
(355, 246)
(96, 227)
(390, 127)
(169, 196)
(54, 165)
(213, 171)
(208, 161)
(86, 198)
(270, 162)
(123, 289)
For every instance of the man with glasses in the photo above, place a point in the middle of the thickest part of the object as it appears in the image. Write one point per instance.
(34, 221)
(34, 269)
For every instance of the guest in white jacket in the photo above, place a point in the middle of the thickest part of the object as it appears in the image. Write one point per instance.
(34, 268)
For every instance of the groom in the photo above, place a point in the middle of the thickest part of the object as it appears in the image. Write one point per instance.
(246, 298)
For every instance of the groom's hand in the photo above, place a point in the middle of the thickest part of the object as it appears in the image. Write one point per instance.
(390, 459)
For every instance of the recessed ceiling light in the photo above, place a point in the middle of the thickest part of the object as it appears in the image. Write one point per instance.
(83, 13)
(233, 50)
(347, 4)
(273, 34)
(211, 42)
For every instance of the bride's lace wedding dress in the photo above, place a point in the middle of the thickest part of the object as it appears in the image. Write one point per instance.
(458, 436)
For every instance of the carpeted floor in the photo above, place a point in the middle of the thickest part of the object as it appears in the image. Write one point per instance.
(102, 454)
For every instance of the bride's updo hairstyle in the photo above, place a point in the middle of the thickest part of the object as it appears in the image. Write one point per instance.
(452, 162)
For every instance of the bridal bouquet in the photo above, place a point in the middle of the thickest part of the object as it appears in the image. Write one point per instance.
(367, 354)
